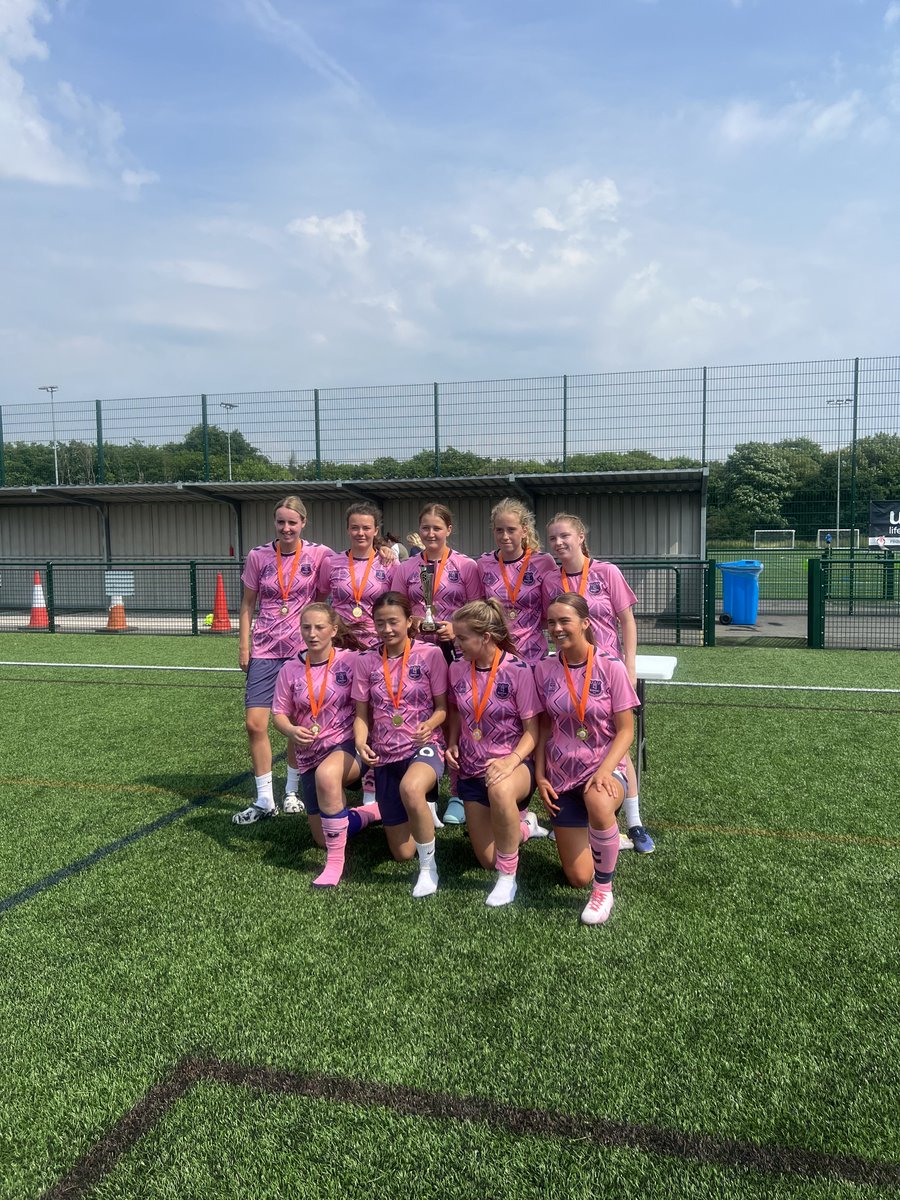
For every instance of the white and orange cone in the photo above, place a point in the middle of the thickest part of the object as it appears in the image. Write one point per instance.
(221, 622)
(116, 620)
(39, 617)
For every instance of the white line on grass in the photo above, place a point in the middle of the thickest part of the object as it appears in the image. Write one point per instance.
(777, 687)
(763, 687)
(119, 666)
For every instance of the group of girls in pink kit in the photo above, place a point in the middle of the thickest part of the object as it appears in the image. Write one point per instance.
(366, 698)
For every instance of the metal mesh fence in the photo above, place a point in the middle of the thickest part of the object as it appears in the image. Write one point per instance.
(796, 445)
(862, 602)
(172, 598)
(180, 598)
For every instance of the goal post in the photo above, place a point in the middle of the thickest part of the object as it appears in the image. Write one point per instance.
(837, 539)
(774, 539)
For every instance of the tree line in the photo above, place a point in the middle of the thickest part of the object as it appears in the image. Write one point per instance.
(791, 484)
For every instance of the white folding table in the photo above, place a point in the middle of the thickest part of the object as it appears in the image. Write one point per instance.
(649, 668)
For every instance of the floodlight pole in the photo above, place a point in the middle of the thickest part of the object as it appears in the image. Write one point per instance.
(52, 388)
(229, 409)
(837, 497)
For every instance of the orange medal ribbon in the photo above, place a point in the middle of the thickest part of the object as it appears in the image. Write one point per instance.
(397, 718)
(584, 574)
(479, 706)
(358, 591)
(286, 590)
(514, 591)
(580, 705)
(315, 702)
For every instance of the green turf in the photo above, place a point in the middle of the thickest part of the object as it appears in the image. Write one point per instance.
(744, 987)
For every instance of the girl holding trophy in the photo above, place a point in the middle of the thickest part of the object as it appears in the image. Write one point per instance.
(438, 582)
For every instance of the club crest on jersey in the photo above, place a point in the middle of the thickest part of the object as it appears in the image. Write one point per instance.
(306, 569)
(528, 577)
(503, 690)
(453, 575)
(551, 686)
(382, 575)
(595, 588)
(341, 678)
(596, 687)
(414, 672)
(490, 578)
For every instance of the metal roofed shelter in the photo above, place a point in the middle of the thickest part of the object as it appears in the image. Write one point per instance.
(630, 514)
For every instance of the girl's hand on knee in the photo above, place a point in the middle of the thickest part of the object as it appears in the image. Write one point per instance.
(603, 783)
(499, 769)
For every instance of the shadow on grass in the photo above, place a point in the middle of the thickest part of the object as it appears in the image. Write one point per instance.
(286, 843)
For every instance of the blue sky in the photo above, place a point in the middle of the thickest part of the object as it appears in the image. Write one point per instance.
(215, 195)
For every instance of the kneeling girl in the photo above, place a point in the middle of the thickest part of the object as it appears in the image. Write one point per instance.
(401, 703)
(491, 735)
(585, 734)
(314, 709)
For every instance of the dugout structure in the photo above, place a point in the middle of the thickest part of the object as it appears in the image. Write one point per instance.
(635, 518)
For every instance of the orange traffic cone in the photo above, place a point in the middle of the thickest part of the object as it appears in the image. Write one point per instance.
(221, 621)
(116, 622)
(39, 618)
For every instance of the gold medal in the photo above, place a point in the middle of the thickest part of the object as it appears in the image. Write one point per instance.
(582, 733)
(477, 735)
(357, 611)
(284, 610)
(397, 720)
(314, 730)
(512, 614)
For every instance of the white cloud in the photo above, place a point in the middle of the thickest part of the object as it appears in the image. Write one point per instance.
(31, 147)
(287, 32)
(207, 274)
(543, 218)
(234, 227)
(345, 232)
(891, 15)
(135, 180)
(17, 36)
(745, 121)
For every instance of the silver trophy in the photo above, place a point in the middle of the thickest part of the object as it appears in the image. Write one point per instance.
(428, 624)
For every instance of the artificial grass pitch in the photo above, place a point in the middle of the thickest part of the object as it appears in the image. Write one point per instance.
(743, 989)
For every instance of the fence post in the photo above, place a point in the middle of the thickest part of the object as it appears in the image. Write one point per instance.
(815, 605)
(565, 422)
(677, 606)
(101, 458)
(703, 423)
(709, 603)
(888, 589)
(2, 463)
(195, 624)
(437, 433)
(316, 415)
(51, 604)
(205, 419)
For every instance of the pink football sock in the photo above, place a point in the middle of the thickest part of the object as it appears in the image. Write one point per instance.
(360, 817)
(605, 852)
(335, 831)
(507, 864)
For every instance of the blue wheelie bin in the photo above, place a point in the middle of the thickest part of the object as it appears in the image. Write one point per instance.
(740, 591)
